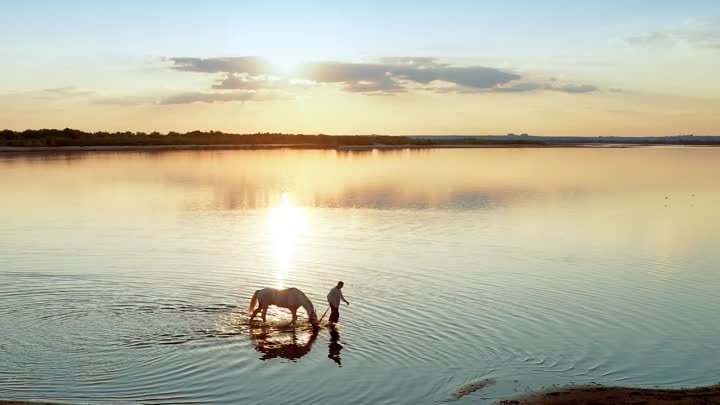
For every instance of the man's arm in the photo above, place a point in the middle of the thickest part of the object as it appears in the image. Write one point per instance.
(342, 297)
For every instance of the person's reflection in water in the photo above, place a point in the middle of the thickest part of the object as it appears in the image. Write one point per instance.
(335, 347)
(283, 341)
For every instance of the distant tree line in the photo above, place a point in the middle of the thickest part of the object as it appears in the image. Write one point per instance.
(74, 137)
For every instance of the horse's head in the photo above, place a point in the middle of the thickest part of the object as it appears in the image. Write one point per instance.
(313, 319)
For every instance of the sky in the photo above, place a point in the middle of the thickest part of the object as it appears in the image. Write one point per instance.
(631, 67)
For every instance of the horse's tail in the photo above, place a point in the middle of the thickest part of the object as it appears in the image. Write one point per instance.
(253, 302)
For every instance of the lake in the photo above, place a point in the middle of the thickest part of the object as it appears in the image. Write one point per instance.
(125, 277)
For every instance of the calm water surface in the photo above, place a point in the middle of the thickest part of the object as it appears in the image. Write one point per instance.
(124, 277)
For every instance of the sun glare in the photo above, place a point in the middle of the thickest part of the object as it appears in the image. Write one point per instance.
(286, 65)
(286, 224)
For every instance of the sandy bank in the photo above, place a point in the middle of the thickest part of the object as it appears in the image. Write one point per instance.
(599, 395)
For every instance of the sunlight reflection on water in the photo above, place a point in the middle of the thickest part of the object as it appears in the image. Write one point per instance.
(286, 225)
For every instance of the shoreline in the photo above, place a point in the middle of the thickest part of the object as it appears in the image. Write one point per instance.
(341, 148)
(28, 403)
(598, 394)
(574, 395)
(111, 148)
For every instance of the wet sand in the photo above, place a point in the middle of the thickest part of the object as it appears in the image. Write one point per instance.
(599, 395)
(470, 387)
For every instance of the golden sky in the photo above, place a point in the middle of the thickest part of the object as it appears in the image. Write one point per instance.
(556, 68)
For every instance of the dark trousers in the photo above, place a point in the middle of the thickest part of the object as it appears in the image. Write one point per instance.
(334, 314)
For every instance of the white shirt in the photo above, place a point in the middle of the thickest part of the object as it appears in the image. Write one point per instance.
(334, 297)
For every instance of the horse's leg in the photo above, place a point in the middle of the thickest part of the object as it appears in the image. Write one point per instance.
(294, 314)
(264, 313)
(255, 312)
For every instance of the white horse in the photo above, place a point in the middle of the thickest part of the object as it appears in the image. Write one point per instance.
(290, 298)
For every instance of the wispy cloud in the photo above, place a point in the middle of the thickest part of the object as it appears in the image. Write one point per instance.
(205, 97)
(56, 93)
(123, 100)
(193, 97)
(649, 38)
(698, 34)
(68, 91)
(573, 88)
(520, 87)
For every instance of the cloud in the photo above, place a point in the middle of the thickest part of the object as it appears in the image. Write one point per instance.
(652, 38)
(356, 77)
(384, 85)
(476, 77)
(55, 94)
(124, 100)
(68, 91)
(371, 74)
(205, 97)
(386, 76)
(251, 65)
(522, 87)
(395, 74)
(519, 87)
(192, 97)
(706, 38)
(421, 62)
(699, 34)
(573, 88)
(234, 81)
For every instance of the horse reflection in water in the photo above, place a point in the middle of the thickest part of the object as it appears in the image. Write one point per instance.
(285, 341)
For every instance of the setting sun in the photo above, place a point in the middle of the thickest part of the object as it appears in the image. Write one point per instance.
(285, 64)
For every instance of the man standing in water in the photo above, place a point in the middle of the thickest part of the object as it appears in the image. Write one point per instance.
(334, 297)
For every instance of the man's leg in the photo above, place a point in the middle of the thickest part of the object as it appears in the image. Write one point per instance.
(334, 314)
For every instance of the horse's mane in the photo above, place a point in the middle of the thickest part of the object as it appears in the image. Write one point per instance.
(304, 296)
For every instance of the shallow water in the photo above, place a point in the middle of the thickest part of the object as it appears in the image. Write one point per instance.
(125, 277)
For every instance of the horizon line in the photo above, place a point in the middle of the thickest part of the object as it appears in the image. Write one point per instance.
(509, 134)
